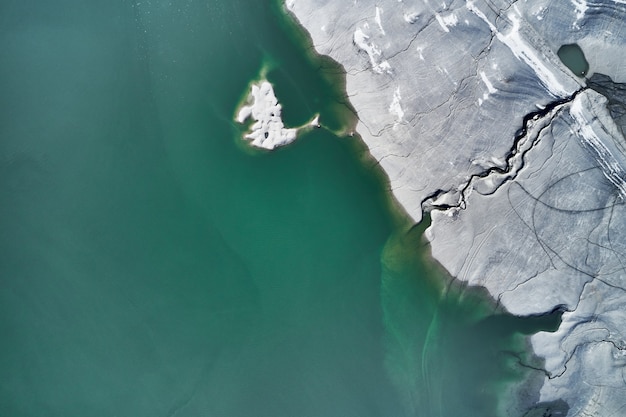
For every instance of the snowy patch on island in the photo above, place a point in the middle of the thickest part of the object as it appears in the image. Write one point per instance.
(490, 88)
(395, 107)
(268, 131)
(581, 9)
(379, 21)
(411, 17)
(361, 40)
(523, 51)
(447, 21)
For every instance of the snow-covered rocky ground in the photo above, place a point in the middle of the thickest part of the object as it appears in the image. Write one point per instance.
(521, 163)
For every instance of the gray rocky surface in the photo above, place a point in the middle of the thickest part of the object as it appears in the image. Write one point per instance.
(473, 117)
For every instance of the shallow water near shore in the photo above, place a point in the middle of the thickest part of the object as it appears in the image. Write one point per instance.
(150, 267)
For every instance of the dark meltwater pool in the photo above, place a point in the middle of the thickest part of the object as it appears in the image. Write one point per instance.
(573, 57)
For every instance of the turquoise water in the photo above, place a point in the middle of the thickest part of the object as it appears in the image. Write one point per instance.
(573, 57)
(152, 266)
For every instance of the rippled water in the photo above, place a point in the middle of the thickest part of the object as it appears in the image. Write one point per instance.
(151, 265)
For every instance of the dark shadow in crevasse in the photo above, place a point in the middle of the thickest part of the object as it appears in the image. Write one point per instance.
(616, 95)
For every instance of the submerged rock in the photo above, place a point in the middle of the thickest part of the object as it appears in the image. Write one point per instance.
(473, 116)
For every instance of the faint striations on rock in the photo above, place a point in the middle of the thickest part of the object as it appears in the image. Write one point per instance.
(521, 162)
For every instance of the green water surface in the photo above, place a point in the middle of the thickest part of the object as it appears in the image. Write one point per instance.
(150, 266)
(574, 58)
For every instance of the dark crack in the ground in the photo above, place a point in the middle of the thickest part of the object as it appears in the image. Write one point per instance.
(514, 162)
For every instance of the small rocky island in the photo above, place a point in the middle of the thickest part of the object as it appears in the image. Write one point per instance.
(505, 121)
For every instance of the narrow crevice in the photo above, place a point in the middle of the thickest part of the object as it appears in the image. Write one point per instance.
(514, 158)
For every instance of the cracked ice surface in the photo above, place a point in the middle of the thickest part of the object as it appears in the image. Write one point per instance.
(535, 217)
